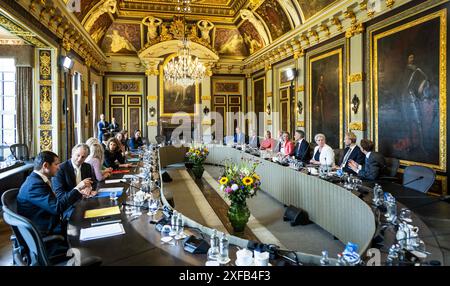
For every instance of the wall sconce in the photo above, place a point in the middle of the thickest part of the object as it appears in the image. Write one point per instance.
(268, 109)
(152, 111)
(299, 107)
(355, 103)
(205, 110)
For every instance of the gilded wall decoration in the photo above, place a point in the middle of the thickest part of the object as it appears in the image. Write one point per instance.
(122, 38)
(326, 95)
(126, 86)
(227, 87)
(45, 68)
(99, 28)
(275, 18)
(229, 42)
(311, 7)
(252, 39)
(408, 79)
(45, 141)
(45, 103)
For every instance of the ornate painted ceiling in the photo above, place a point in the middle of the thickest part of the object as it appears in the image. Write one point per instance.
(232, 28)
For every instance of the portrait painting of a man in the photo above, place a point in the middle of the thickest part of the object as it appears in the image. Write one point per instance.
(325, 89)
(407, 91)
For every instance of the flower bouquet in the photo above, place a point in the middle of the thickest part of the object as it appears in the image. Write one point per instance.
(196, 155)
(239, 182)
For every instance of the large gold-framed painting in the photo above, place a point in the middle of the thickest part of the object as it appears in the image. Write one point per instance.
(408, 80)
(325, 96)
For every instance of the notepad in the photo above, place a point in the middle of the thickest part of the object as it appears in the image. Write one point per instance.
(102, 212)
(128, 177)
(115, 181)
(97, 232)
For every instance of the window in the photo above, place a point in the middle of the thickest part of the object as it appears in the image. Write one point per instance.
(7, 101)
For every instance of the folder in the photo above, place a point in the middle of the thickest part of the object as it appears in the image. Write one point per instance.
(102, 212)
(101, 231)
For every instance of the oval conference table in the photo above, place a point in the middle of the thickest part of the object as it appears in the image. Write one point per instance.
(348, 215)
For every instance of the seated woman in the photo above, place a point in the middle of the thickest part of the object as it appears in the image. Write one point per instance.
(136, 141)
(91, 141)
(95, 159)
(268, 143)
(287, 147)
(323, 154)
(113, 156)
(123, 147)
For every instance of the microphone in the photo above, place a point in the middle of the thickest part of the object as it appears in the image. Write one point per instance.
(414, 180)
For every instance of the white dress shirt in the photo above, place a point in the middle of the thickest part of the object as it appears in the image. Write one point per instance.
(44, 178)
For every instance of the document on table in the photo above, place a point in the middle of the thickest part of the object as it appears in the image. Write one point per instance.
(115, 181)
(106, 230)
(129, 176)
(109, 190)
(102, 212)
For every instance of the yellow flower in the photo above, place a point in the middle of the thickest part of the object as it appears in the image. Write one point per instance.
(191, 150)
(223, 180)
(256, 177)
(247, 181)
(197, 152)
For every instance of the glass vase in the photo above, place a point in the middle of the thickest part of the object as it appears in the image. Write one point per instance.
(238, 214)
(198, 170)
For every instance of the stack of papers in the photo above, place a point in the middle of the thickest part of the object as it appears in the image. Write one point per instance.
(101, 231)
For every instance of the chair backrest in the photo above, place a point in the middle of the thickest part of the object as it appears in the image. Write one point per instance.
(159, 139)
(20, 151)
(26, 233)
(392, 165)
(412, 178)
(338, 153)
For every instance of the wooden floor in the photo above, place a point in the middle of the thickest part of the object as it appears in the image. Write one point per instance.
(5, 244)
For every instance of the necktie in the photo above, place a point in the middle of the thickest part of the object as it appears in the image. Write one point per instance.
(344, 162)
(78, 175)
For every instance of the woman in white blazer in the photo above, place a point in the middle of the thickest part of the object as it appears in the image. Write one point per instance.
(323, 154)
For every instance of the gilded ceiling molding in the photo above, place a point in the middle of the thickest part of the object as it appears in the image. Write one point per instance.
(337, 23)
(20, 32)
(305, 39)
(349, 14)
(108, 6)
(313, 34)
(390, 3)
(354, 30)
(324, 28)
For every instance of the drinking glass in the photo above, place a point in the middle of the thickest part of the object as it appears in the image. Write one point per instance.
(165, 235)
(113, 196)
(153, 205)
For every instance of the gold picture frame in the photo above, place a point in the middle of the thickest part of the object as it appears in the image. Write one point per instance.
(314, 58)
(113, 98)
(220, 87)
(374, 37)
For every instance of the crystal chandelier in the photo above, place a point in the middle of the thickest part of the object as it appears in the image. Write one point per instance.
(184, 70)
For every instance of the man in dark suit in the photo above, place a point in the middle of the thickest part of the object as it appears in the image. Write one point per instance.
(74, 172)
(351, 152)
(102, 127)
(301, 149)
(253, 140)
(374, 162)
(37, 201)
(239, 137)
(113, 127)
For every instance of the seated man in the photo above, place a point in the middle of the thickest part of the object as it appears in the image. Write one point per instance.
(253, 140)
(301, 149)
(136, 141)
(374, 162)
(239, 137)
(351, 152)
(73, 172)
(37, 201)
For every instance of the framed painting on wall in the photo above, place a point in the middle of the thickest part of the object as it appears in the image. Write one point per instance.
(325, 73)
(408, 84)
